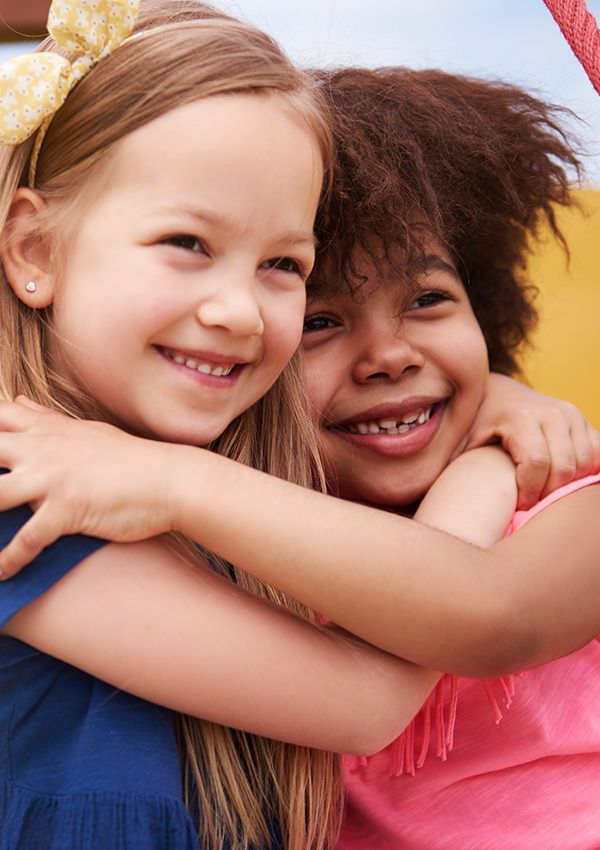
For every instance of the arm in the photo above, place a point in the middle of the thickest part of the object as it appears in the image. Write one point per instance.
(549, 440)
(141, 617)
(459, 505)
(414, 591)
(461, 609)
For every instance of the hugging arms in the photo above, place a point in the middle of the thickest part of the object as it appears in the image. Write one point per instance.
(460, 608)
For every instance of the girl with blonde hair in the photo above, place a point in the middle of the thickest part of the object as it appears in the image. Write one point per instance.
(396, 401)
(161, 174)
(157, 235)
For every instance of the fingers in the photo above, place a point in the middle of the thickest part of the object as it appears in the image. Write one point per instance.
(563, 453)
(552, 453)
(40, 531)
(13, 450)
(526, 443)
(16, 417)
(532, 474)
(576, 453)
(550, 447)
(32, 405)
(581, 440)
(16, 490)
(594, 439)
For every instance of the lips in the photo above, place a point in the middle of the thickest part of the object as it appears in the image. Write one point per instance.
(393, 430)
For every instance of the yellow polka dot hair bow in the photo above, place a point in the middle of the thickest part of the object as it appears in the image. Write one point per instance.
(34, 86)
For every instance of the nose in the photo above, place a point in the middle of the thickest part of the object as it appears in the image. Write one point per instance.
(233, 307)
(386, 354)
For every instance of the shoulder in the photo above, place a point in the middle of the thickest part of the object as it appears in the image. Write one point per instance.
(44, 571)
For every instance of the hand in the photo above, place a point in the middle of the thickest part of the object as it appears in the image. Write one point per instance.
(79, 477)
(549, 440)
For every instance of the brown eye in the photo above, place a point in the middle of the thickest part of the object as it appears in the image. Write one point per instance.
(186, 243)
(284, 264)
(317, 323)
(428, 298)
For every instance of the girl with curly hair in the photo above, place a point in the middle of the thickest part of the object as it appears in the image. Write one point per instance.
(440, 183)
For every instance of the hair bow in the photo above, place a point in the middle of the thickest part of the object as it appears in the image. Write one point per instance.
(34, 86)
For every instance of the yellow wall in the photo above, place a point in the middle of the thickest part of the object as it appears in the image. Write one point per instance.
(565, 360)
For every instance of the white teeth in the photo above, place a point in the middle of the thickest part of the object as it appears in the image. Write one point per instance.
(203, 368)
(391, 426)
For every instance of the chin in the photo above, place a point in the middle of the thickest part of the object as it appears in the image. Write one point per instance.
(188, 436)
(388, 497)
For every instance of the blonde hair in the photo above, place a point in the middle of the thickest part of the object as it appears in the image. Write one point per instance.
(183, 51)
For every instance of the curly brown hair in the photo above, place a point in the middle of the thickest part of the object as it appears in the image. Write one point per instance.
(482, 163)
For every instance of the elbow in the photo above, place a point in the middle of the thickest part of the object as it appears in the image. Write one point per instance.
(373, 738)
(391, 709)
(371, 741)
(504, 641)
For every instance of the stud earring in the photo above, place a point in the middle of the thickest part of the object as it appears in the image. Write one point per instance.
(31, 286)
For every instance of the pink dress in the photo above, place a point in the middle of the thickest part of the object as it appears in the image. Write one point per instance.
(527, 778)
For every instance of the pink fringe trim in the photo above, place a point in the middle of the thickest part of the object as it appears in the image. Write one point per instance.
(437, 719)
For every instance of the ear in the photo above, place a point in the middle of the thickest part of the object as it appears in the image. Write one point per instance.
(26, 256)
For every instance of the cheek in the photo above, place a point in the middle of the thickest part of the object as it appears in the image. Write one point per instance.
(469, 357)
(478, 360)
(283, 321)
(322, 377)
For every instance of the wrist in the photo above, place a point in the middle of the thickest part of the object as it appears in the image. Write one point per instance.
(175, 492)
(190, 473)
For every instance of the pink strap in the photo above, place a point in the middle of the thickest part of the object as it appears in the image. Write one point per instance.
(521, 517)
(581, 31)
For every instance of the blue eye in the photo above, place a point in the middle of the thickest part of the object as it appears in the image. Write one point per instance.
(317, 323)
(429, 298)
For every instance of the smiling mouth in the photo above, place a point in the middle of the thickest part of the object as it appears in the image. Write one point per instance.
(388, 426)
(197, 364)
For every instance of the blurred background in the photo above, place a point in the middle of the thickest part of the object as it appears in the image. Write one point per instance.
(515, 40)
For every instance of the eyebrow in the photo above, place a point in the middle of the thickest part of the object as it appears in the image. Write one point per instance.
(434, 262)
(318, 288)
(292, 237)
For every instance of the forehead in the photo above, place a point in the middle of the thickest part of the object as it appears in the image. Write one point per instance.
(249, 150)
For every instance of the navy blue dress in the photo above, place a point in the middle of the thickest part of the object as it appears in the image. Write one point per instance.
(83, 766)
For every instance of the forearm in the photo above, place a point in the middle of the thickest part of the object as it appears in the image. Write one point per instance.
(143, 619)
(420, 594)
(411, 590)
